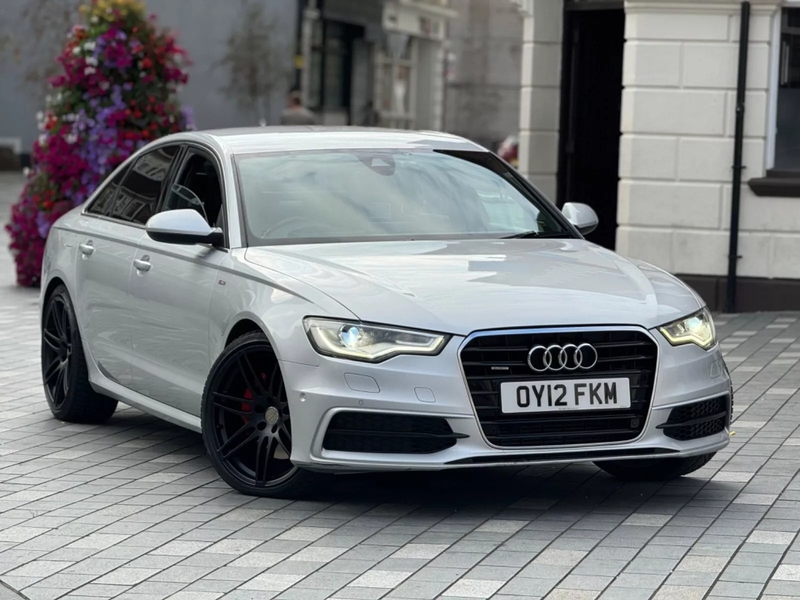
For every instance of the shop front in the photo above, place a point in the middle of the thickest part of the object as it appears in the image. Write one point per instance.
(338, 43)
(411, 63)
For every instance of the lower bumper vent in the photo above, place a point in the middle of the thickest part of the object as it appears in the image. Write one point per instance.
(698, 420)
(388, 434)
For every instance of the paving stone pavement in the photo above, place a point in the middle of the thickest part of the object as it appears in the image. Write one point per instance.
(132, 509)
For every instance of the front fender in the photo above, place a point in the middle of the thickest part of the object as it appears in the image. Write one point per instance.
(58, 262)
(276, 308)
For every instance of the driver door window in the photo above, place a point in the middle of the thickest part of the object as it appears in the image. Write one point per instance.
(200, 188)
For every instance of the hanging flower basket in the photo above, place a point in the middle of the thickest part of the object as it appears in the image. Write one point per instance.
(116, 93)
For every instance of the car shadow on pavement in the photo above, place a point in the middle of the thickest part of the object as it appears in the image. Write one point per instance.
(517, 492)
(520, 491)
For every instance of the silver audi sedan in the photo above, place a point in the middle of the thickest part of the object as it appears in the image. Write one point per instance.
(336, 300)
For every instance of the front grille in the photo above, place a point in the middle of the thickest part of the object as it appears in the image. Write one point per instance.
(490, 360)
(698, 420)
(388, 434)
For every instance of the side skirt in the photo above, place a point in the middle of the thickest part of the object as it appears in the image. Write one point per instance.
(148, 405)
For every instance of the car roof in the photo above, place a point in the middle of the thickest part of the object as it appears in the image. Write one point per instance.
(255, 140)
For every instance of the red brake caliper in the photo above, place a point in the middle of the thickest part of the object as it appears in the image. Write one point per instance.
(248, 395)
(245, 406)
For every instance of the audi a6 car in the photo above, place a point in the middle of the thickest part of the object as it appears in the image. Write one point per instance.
(315, 300)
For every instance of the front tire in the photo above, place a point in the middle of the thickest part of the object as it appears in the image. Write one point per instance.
(247, 427)
(654, 469)
(64, 372)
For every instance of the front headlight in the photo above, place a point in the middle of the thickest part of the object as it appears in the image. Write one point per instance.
(695, 329)
(369, 343)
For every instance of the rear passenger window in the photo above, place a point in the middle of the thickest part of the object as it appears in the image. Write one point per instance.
(138, 196)
(102, 203)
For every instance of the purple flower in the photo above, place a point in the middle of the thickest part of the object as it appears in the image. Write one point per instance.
(42, 225)
(187, 117)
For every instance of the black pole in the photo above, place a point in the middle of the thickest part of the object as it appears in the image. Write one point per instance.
(738, 167)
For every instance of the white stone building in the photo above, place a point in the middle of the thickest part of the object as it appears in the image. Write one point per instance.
(483, 78)
(631, 107)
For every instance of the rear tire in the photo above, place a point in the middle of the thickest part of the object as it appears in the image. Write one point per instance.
(64, 372)
(654, 469)
(247, 424)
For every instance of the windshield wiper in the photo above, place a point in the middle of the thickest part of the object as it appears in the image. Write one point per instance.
(526, 235)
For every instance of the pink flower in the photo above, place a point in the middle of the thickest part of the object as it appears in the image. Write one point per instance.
(98, 119)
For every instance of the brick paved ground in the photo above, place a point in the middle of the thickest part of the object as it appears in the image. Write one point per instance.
(132, 509)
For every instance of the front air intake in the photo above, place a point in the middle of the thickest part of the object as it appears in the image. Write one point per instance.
(384, 433)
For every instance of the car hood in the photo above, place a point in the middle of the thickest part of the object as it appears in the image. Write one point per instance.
(464, 286)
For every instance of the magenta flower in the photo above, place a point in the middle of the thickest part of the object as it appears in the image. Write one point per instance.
(100, 110)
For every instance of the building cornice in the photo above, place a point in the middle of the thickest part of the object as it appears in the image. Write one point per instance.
(525, 7)
(430, 8)
(683, 6)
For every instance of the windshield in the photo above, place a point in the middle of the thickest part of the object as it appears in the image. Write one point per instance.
(377, 195)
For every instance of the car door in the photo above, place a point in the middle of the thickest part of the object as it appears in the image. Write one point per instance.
(106, 249)
(171, 291)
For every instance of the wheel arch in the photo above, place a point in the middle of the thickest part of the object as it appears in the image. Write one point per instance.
(241, 327)
(51, 287)
(55, 279)
(48, 288)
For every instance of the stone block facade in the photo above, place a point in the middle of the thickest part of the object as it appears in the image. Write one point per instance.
(681, 62)
(541, 93)
(677, 133)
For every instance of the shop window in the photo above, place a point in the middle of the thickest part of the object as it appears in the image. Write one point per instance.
(335, 58)
(315, 66)
(783, 178)
(787, 136)
(330, 65)
(398, 89)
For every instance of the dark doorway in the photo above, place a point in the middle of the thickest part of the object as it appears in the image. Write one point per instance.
(591, 106)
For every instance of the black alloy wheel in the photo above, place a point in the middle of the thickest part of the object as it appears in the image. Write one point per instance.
(57, 351)
(65, 373)
(247, 426)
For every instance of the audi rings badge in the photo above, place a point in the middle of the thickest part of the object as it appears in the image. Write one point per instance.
(557, 358)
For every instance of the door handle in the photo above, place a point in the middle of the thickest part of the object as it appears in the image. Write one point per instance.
(142, 264)
(87, 249)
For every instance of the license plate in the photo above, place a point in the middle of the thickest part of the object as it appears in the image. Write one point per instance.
(554, 396)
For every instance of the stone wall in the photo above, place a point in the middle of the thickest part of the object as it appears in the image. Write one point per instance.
(678, 117)
(483, 91)
(541, 93)
(678, 121)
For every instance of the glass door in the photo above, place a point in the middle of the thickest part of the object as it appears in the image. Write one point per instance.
(397, 72)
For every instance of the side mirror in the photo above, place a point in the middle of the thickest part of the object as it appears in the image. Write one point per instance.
(582, 217)
(182, 226)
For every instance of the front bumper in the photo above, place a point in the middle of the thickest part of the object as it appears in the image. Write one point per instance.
(435, 387)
